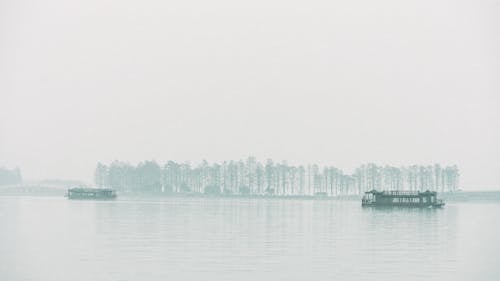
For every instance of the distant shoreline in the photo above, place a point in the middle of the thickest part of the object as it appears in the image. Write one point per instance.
(39, 190)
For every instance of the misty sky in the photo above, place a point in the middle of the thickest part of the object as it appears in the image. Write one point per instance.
(329, 82)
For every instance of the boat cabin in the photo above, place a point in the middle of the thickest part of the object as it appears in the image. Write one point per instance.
(401, 198)
(91, 193)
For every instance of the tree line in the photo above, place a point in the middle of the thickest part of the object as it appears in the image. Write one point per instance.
(251, 177)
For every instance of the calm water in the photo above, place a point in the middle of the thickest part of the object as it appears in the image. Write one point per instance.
(50, 238)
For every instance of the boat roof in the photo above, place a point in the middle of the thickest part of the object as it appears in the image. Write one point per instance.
(401, 192)
(89, 189)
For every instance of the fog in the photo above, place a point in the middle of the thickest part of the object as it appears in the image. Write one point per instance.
(339, 83)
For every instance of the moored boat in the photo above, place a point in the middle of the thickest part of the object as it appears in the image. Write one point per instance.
(401, 198)
(91, 193)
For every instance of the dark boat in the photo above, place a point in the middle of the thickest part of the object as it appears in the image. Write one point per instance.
(401, 198)
(91, 193)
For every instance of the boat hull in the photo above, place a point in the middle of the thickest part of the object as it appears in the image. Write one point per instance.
(435, 205)
(73, 197)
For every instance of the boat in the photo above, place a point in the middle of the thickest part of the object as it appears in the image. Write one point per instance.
(401, 198)
(91, 193)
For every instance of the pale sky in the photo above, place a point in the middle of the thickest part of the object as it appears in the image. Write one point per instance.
(329, 82)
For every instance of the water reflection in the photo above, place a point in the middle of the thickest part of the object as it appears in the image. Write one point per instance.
(233, 239)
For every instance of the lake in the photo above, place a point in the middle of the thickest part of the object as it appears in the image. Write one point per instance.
(175, 238)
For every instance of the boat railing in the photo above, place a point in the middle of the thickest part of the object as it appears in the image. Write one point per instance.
(401, 192)
(367, 201)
